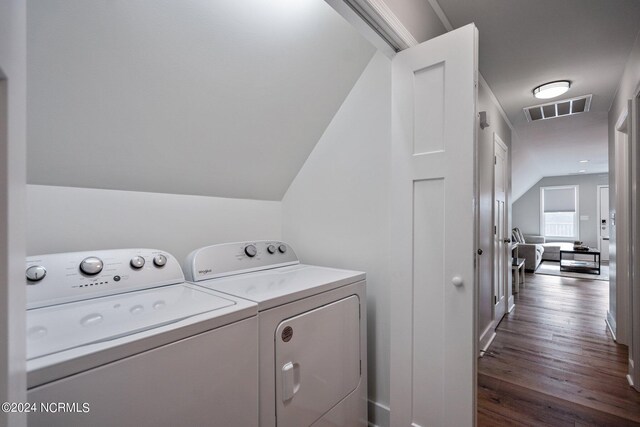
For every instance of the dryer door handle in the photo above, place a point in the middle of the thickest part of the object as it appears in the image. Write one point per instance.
(290, 380)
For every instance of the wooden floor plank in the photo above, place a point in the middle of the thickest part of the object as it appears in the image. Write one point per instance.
(554, 362)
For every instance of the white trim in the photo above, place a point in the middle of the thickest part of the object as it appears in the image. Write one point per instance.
(13, 382)
(507, 276)
(487, 338)
(621, 123)
(498, 140)
(608, 320)
(441, 15)
(634, 344)
(496, 102)
(622, 190)
(577, 213)
(599, 215)
(385, 22)
(363, 27)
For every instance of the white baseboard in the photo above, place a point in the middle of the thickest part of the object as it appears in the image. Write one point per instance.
(488, 340)
(487, 337)
(630, 381)
(378, 414)
(609, 321)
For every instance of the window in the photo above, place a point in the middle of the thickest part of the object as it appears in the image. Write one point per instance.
(559, 212)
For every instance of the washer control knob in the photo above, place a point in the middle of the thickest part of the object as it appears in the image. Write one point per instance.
(137, 262)
(250, 250)
(282, 248)
(160, 260)
(271, 249)
(91, 265)
(36, 273)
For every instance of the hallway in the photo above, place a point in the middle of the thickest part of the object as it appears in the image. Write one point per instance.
(554, 362)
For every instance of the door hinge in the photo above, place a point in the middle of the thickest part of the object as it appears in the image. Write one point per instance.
(495, 229)
(495, 299)
(495, 160)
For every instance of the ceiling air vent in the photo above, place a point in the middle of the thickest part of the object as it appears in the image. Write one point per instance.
(565, 107)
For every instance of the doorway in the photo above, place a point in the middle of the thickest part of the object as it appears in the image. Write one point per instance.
(618, 314)
(500, 231)
(633, 376)
(603, 222)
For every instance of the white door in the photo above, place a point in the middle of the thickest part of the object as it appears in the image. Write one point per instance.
(603, 222)
(434, 198)
(500, 232)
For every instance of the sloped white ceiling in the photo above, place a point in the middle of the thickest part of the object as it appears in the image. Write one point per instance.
(219, 98)
(555, 147)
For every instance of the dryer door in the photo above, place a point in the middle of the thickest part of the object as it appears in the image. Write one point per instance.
(317, 361)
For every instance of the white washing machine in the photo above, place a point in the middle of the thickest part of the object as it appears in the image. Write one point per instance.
(312, 331)
(117, 338)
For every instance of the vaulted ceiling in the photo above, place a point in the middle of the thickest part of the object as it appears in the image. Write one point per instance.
(217, 98)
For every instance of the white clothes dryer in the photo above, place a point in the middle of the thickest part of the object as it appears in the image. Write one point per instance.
(312, 330)
(117, 338)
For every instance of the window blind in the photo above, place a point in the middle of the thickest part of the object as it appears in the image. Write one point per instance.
(559, 199)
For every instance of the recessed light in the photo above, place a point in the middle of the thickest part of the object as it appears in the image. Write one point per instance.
(582, 171)
(584, 161)
(551, 89)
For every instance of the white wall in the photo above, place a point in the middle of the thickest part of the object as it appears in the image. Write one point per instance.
(629, 85)
(12, 183)
(335, 212)
(499, 126)
(526, 210)
(67, 219)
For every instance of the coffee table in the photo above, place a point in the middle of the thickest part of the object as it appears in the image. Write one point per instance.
(591, 266)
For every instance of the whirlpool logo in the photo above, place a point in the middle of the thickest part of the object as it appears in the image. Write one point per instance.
(208, 270)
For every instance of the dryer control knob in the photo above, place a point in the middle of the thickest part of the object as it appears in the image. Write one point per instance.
(91, 265)
(36, 273)
(137, 262)
(282, 248)
(160, 260)
(250, 250)
(271, 249)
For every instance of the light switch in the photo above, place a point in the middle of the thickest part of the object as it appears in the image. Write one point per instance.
(584, 217)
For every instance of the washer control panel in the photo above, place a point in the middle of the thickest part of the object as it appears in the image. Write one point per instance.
(228, 259)
(74, 276)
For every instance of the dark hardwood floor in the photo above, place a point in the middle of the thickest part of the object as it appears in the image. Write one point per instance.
(554, 362)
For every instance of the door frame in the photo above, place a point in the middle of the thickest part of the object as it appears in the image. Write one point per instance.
(622, 228)
(13, 384)
(507, 282)
(634, 345)
(599, 222)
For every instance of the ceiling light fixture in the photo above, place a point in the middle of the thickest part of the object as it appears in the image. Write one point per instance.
(584, 161)
(582, 171)
(551, 89)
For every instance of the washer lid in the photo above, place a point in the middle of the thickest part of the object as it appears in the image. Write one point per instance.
(66, 326)
(271, 288)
